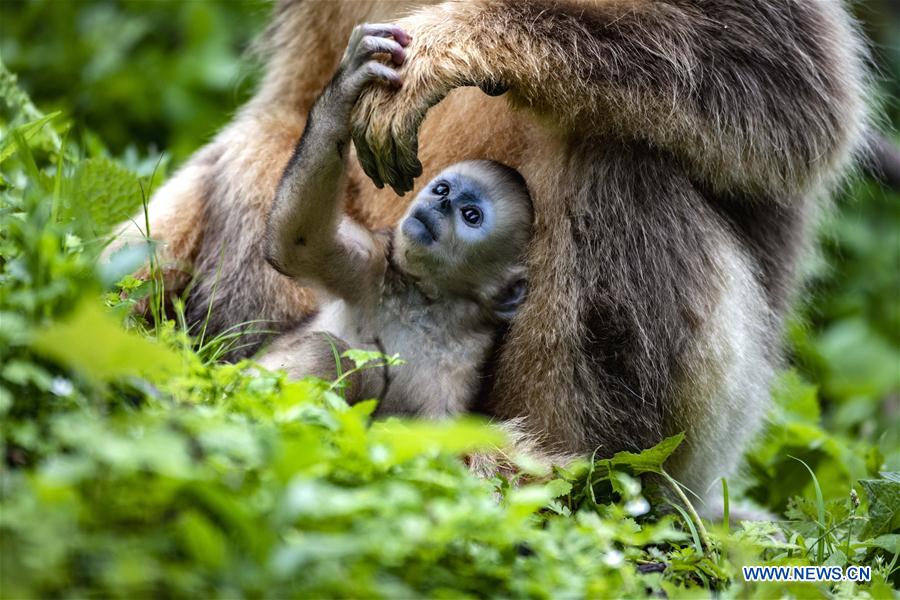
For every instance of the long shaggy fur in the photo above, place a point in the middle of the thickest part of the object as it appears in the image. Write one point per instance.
(675, 151)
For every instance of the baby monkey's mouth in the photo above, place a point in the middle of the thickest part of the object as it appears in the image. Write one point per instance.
(422, 226)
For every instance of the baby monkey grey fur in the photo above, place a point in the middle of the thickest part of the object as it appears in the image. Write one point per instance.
(434, 292)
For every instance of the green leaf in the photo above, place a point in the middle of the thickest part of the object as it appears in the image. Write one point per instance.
(361, 358)
(650, 460)
(28, 130)
(884, 505)
(407, 439)
(891, 475)
(647, 461)
(107, 191)
(91, 342)
(558, 487)
(888, 541)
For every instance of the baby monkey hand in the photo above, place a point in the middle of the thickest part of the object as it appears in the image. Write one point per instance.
(361, 63)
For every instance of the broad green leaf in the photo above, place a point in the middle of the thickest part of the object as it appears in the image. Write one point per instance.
(107, 191)
(891, 476)
(888, 541)
(558, 487)
(884, 505)
(91, 342)
(407, 439)
(647, 461)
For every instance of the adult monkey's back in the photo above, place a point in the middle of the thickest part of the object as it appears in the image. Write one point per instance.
(675, 152)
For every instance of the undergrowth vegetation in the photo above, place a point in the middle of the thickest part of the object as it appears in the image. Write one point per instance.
(136, 464)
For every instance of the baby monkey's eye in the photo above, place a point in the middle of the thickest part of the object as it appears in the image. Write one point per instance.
(441, 189)
(471, 215)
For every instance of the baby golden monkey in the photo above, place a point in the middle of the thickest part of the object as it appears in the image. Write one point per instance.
(433, 291)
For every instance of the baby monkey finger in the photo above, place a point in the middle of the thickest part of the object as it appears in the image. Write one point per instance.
(371, 45)
(376, 71)
(386, 30)
(368, 39)
(355, 81)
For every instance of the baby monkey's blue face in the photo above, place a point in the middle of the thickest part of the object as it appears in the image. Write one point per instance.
(454, 205)
(473, 216)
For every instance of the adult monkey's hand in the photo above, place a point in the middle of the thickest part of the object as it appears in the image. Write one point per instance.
(385, 124)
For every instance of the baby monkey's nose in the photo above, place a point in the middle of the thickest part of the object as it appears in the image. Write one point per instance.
(443, 205)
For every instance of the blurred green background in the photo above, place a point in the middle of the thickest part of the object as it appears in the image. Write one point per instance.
(142, 77)
(146, 73)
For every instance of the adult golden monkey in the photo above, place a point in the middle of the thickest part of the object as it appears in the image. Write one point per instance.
(675, 151)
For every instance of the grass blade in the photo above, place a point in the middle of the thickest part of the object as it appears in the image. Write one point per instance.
(693, 528)
(725, 508)
(820, 508)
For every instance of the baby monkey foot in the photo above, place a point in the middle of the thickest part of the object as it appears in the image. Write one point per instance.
(363, 61)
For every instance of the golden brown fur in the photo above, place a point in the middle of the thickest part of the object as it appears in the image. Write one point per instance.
(675, 152)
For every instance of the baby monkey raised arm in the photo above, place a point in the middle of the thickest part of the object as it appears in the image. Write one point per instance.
(433, 291)
(306, 236)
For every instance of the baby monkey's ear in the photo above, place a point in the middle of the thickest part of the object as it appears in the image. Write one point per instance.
(507, 301)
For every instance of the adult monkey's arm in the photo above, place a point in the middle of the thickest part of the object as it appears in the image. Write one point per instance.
(759, 97)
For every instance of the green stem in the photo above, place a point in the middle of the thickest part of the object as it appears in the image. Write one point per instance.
(701, 529)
